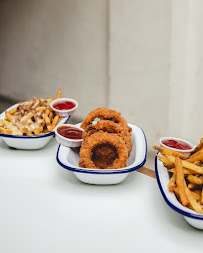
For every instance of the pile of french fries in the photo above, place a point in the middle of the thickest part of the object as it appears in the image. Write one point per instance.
(186, 175)
(29, 118)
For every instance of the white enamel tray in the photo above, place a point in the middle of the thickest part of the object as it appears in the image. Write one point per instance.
(68, 158)
(192, 217)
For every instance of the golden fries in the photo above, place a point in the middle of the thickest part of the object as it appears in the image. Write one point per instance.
(191, 166)
(186, 175)
(58, 94)
(172, 183)
(180, 181)
(196, 157)
(166, 151)
(30, 118)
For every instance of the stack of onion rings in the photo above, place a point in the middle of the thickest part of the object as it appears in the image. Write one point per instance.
(107, 143)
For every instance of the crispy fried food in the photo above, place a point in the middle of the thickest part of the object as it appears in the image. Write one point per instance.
(196, 157)
(110, 127)
(180, 181)
(103, 150)
(29, 118)
(191, 166)
(186, 179)
(172, 183)
(166, 151)
(106, 114)
(166, 162)
(193, 202)
(198, 147)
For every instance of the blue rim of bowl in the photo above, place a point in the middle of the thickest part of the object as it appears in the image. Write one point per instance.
(175, 208)
(96, 171)
(33, 136)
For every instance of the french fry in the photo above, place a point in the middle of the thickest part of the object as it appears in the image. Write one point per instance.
(198, 147)
(49, 127)
(185, 171)
(55, 121)
(51, 115)
(172, 183)
(198, 156)
(196, 194)
(187, 165)
(47, 120)
(50, 99)
(8, 116)
(193, 202)
(58, 94)
(38, 130)
(165, 161)
(191, 186)
(166, 151)
(12, 111)
(28, 134)
(180, 181)
(4, 122)
(26, 117)
(197, 163)
(41, 108)
(5, 131)
(47, 112)
(37, 103)
(201, 201)
(195, 180)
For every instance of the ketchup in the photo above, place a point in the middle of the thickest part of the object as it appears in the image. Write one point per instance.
(64, 105)
(70, 132)
(177, 144)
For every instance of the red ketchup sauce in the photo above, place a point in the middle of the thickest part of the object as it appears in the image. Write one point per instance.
(177, 144)
(70, 132)
(64, 105)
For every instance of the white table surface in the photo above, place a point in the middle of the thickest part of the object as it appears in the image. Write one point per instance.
(44, 208)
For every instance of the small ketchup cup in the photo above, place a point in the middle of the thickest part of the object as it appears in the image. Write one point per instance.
(185, 152)
(64, 106)
(68, 142)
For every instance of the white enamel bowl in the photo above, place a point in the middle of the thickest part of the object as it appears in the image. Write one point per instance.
(28, 142)
(192, 217)
(68, 158)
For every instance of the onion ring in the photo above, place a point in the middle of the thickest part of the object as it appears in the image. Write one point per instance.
(110, 127)
(115, 158)
(104, 113)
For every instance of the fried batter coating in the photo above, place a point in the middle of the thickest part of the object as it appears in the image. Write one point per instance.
(110, 127)
(106, 114)
(103, 150)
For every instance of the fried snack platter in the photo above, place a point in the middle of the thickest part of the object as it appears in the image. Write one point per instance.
(30, 124)
(107, 153)
(29, 118)
(107, 143)
(180, 180)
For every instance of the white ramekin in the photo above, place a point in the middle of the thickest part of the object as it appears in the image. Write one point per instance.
(72, 143)
(184, 152)
(64, 113)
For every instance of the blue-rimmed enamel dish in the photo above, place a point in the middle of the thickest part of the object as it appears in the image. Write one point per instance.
(68, 158)
(162, 175)
(28, 142)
